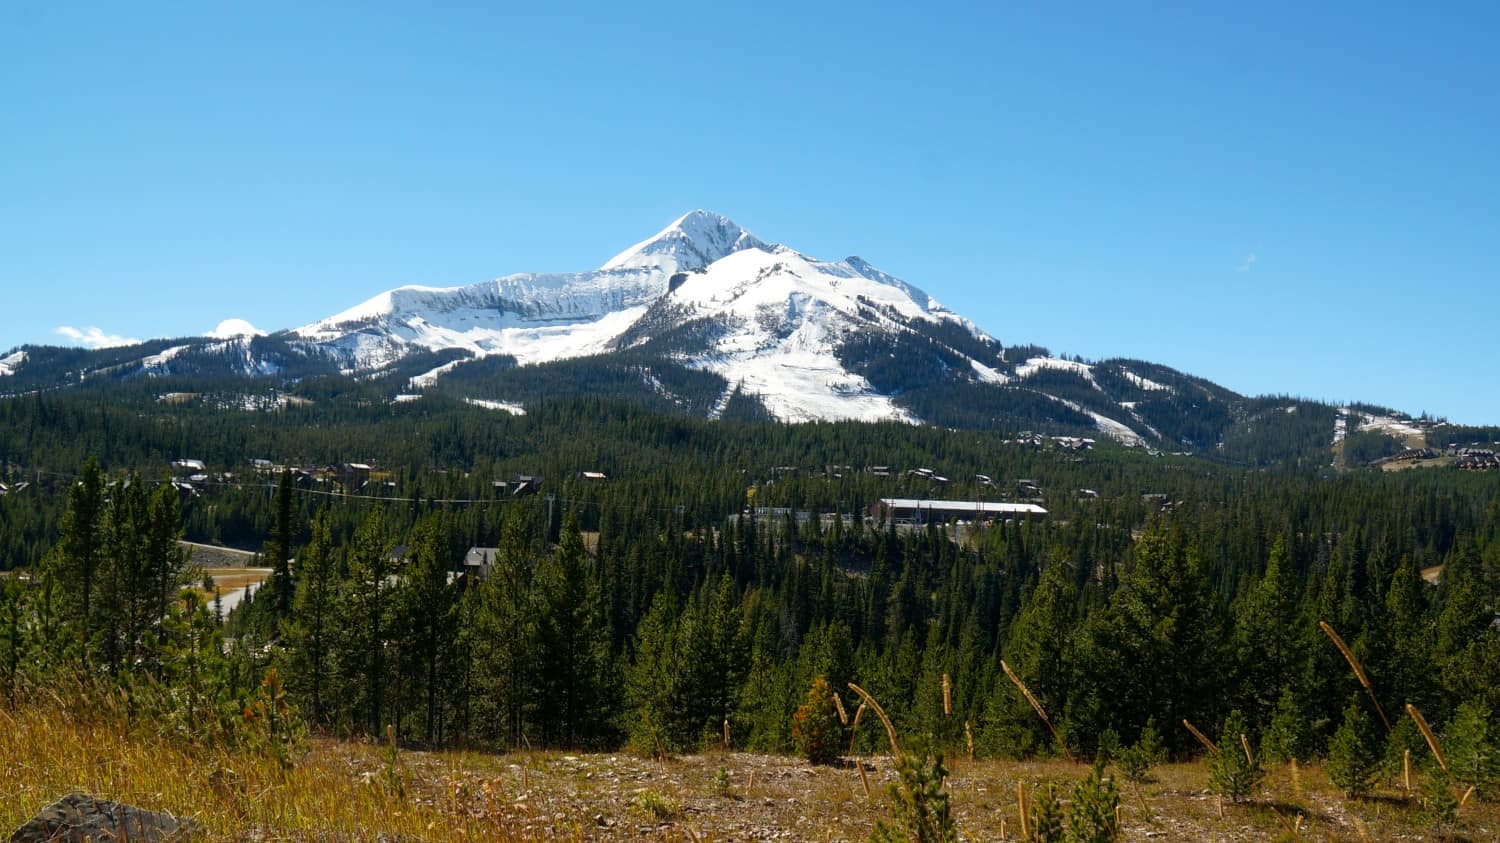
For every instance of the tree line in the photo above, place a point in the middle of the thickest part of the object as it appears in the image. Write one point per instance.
(665, 614)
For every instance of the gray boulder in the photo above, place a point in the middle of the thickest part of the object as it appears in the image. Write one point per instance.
(80, 818)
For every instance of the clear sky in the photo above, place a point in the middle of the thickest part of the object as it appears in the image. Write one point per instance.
(1295, 198)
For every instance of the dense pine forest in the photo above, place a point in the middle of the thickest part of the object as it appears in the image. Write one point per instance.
(695, 595)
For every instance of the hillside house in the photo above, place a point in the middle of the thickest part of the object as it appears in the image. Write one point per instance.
(355, 474)
(478, 561)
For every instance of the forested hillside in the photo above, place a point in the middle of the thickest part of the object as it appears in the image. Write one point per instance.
(722, 567)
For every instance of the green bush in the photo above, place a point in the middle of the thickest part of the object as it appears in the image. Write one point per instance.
(1136, 760)
(1047, 820)
(1093, 817)
(919, 802)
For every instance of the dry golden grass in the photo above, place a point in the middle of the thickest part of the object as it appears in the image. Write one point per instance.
(229, 579)
(346, 790)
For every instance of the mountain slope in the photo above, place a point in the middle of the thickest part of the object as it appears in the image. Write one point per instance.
(706, 319)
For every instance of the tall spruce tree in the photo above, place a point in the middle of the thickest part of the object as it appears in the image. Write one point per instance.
(427, 600)
(311, 631)
(279, 548)
(575, 681)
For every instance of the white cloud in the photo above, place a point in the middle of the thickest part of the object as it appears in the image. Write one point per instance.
(231, 328)
(94, 337)
(1247, 264)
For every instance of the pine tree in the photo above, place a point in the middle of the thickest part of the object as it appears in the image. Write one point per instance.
(1093, 816)
(1285, 739)
(279, 549)
(653, 680)
(1265, 637)
(428, 605)
(12, 637)
(1352, 759)
(81, 552)
(311, 632)
(506, 651)
(1038, 648)
(364, 627)
(1234, 771)
(574, 642)
(1471, 743)
(816, 731)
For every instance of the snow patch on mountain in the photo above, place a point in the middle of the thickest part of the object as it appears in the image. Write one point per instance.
(1390, 425)
(1115, 430)
(161, 358)
(246, 360)
(784, 317)
(11, 362)
(1036, 364)
(1144, 383)
(429, 377)
(501, 406)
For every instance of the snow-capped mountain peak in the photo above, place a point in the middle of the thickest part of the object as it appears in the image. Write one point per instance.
(692, 242)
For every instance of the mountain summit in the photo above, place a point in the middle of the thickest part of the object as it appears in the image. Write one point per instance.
(692, 242)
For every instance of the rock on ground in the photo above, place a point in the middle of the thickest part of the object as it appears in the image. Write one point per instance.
(78, 817)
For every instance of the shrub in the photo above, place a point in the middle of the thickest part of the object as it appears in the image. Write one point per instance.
(1093, 817)
(1439, 805)
(1047, 821)
(1148, 750)
(919, 801)
(816, 730)
(657, 806)
(719, 785)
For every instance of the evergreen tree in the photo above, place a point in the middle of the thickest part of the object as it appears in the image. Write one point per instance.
(1038, 649)
(80, 553)
(279, 549)
(574, 640)
(1234, 771)
(505, 645)
(1156, 649)
(1285, 739)
(653, 681)
(364, 627)
(815, 727)
(12, 638)
(1268, 648)
(1352, 759)
(1471, 743)
(427, 603)
(312, 630)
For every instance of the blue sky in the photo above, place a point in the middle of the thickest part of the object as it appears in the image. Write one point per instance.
(1299, 198)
